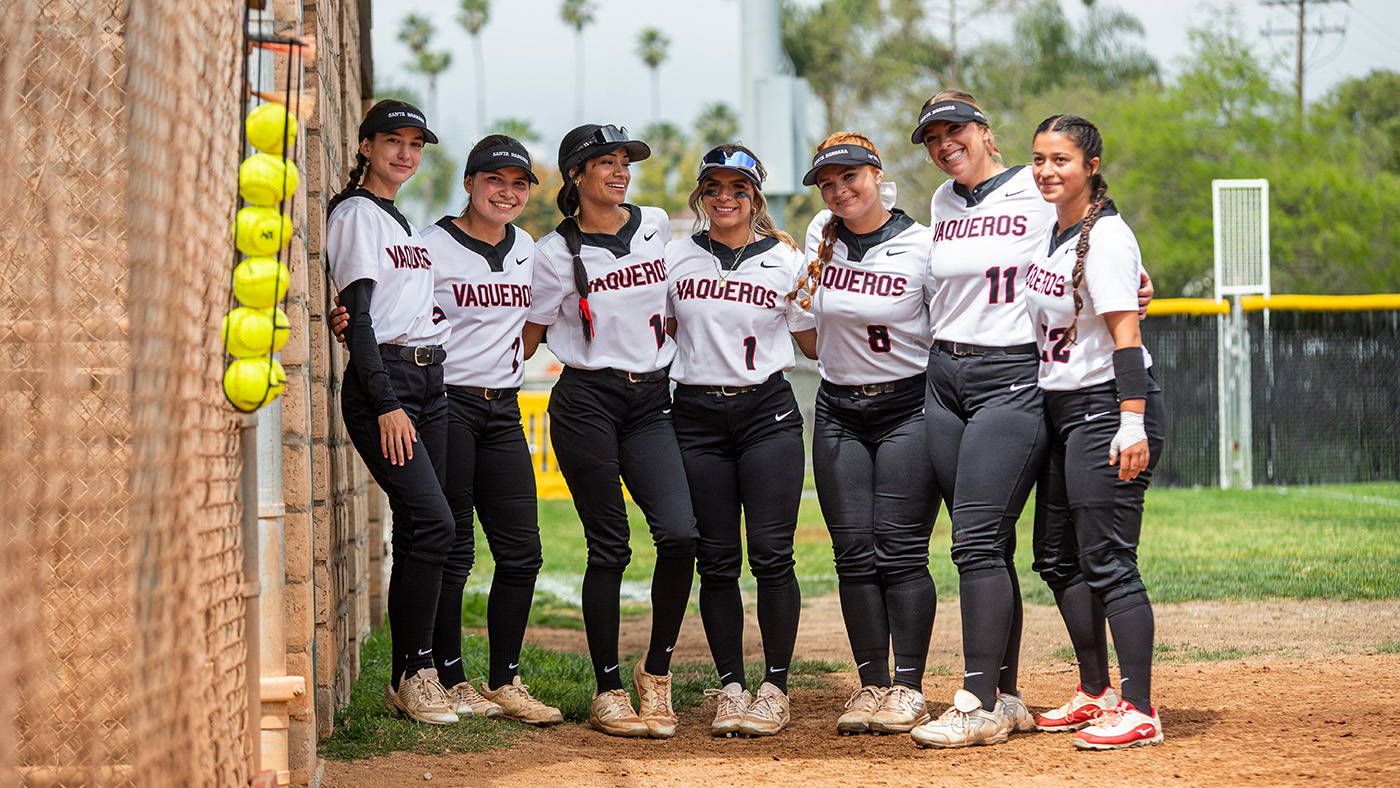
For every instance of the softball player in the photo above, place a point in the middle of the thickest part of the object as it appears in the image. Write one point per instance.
(875, 484)
(1105, 421)
(738, 426)
(600, 289)
(982, 393)
(392, 395)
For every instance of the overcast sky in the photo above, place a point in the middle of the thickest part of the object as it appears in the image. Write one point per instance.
(529, 54)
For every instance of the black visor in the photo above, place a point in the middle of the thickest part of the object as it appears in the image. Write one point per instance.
(952, 111)
(848, 155)
(498, 157)
(398, 117)
(604, 140)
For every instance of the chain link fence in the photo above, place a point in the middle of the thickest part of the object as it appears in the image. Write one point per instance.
(121, 643)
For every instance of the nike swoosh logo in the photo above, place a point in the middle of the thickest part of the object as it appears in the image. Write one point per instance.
(421, 652)
(610, 670)
(863, 664)
(970, 675)
(649, 237)
(1013, 194)
(1019, 386)
(451, 662)
(668, 410)
(765, 265)
(782, 416)
(777, 670)
(892, 253)
(1092, 416)
(521, 261)
(669, 649)
(898, 669)
(725, 676)
(514, 665)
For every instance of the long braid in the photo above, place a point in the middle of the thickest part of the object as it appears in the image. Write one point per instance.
(813, 279)
(1098, 199)
(356, 175)
(568, 201)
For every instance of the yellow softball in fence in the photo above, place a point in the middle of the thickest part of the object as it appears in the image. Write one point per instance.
(250, 383)
(255, 332)
(259, 231)
(267, 180)
(260, 282)
(271, 129)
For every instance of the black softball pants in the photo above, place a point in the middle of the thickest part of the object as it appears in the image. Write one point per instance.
(489, 471)
(878, 495)
(745, 452)
(1088, 525)
(988, 439)
(423, 530)
(607, 430)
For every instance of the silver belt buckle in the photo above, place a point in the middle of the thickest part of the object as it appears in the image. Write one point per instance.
(959, 349)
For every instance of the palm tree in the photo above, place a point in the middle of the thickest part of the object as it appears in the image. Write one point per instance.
(651, 47)
(475, 14)
(519, 128)
(716, 125)
(417, 32)
(577, 14)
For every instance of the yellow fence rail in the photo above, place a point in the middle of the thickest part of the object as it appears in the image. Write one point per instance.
(1281, 303)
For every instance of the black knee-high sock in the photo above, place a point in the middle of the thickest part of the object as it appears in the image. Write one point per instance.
(1084, 619)
(670, 592)
(779, 608)
(601, 619)
(986, 597)
(910, 602)
(1011, 660)
(447, 636)
(722, 612)
(507, 613)
(867, 626)
(414, 586)
(1130, 618)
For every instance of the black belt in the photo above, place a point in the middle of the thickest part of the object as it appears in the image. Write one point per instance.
(422, 355)
(485, 393)
(726, 391)
(655, 376)
(874, 389)
(965, 349)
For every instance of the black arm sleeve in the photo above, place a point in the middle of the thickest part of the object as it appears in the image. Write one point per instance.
(364, 350)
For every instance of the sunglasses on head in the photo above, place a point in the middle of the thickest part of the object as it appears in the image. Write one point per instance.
(736, 158)
(602, 136)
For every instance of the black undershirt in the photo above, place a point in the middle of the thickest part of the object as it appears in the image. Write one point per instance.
(364, 349)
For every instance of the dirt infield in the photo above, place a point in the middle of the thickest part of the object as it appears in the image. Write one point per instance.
(1308, 701)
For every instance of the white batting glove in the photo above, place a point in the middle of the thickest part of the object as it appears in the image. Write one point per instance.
(1131, 430)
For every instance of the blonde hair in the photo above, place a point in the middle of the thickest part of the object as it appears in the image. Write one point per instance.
(809, 283)
(760, 223)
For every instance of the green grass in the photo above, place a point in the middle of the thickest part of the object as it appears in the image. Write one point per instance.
(1330, 541)
(1388, 647)
(1175, 652)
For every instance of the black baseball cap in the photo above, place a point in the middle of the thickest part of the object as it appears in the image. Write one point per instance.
(602, 140)
(498, 157)
(397, 116)
(952, 111)
(847, 155)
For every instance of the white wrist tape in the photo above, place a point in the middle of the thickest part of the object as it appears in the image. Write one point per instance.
(1131, 430)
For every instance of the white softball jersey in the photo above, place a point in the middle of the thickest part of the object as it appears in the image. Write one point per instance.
(871, 308)
(1112, 271)
(627, 276)
(484, 290)
(982, 249)
(733, 319)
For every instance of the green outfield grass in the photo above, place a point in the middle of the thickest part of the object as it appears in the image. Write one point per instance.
(1331, 541)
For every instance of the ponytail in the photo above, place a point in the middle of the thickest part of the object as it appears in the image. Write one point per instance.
(573, 239)
(813, 279)
(356, 175)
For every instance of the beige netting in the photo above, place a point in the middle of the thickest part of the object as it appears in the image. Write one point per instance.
(121, 650)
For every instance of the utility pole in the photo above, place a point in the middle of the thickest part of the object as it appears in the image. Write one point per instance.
(1302, 6)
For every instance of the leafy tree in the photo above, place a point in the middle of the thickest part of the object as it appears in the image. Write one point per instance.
(519, 128)
(541, 215)
(716, 125)
(824, 44)
(1370, 108)
(661, 180)
(651, 48)
(474, 16)
(577, 14)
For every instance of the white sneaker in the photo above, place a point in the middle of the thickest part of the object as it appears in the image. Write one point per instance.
(1078, 712)
(862, 703)
(466, 702)
(901, 709)
(1015, 711)
(965, 724)
(769, 713)
(1122, 727)
(733, 702)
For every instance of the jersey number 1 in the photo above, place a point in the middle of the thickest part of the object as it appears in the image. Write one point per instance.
(659, 328)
